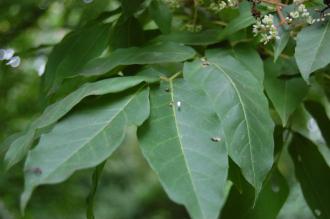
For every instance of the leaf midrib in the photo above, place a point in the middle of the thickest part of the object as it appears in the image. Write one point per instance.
(245, 117)
(97, 133)
(182, 150)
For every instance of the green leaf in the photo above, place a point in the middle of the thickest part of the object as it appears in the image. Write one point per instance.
(183, 146)
(151, 54)
(76, 48)
(205, 37)
(127, 32)
(286, 94)
(237, 97)
(313, 174)
(303, 123)
(281, 43)
(271, 199)
(312, 50)
(84, 139)
(161, 14)
(318, 94)
(95, 181)
(319, 114)
(54, 112)
(250, 58)
(283, 32)
(130, 7)
(244, 20)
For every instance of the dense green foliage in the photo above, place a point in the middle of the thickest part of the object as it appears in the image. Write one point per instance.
(220, 106)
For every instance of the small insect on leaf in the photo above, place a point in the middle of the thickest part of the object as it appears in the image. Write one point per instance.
(178, 104)
(205, 63)
(216, 139)
(35, 171)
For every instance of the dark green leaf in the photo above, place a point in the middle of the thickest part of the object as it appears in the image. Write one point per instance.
(245, 19)
(126, 33)
(152, 54)
(271, 199)
(161, 14)
(303, 123)
(313, 174)
(76, 48)
(205, 37)
(95, 181)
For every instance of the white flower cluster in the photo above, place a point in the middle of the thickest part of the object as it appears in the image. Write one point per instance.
(174, 4)
(301, 13)
(266, 29)
(8, 55)
(219, 5)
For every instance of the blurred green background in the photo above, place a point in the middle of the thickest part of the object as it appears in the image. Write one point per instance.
(128, 188)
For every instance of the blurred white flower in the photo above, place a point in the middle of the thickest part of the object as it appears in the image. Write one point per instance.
(6, 54)
(40, 65)
(14, 61)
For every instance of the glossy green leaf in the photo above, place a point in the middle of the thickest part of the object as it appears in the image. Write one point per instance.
(313, 174)
(151, 54)
(312, 50)
(54, 112)
(286, 94)
(76, 48)
(84, 139)
(161, 14)
(237, 97)
(182, 142)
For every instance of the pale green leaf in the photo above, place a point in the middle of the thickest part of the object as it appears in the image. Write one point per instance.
(237, 97)
(312, 50)
(54, 112)
(83, 140)
(177, 142)
(151, 54)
